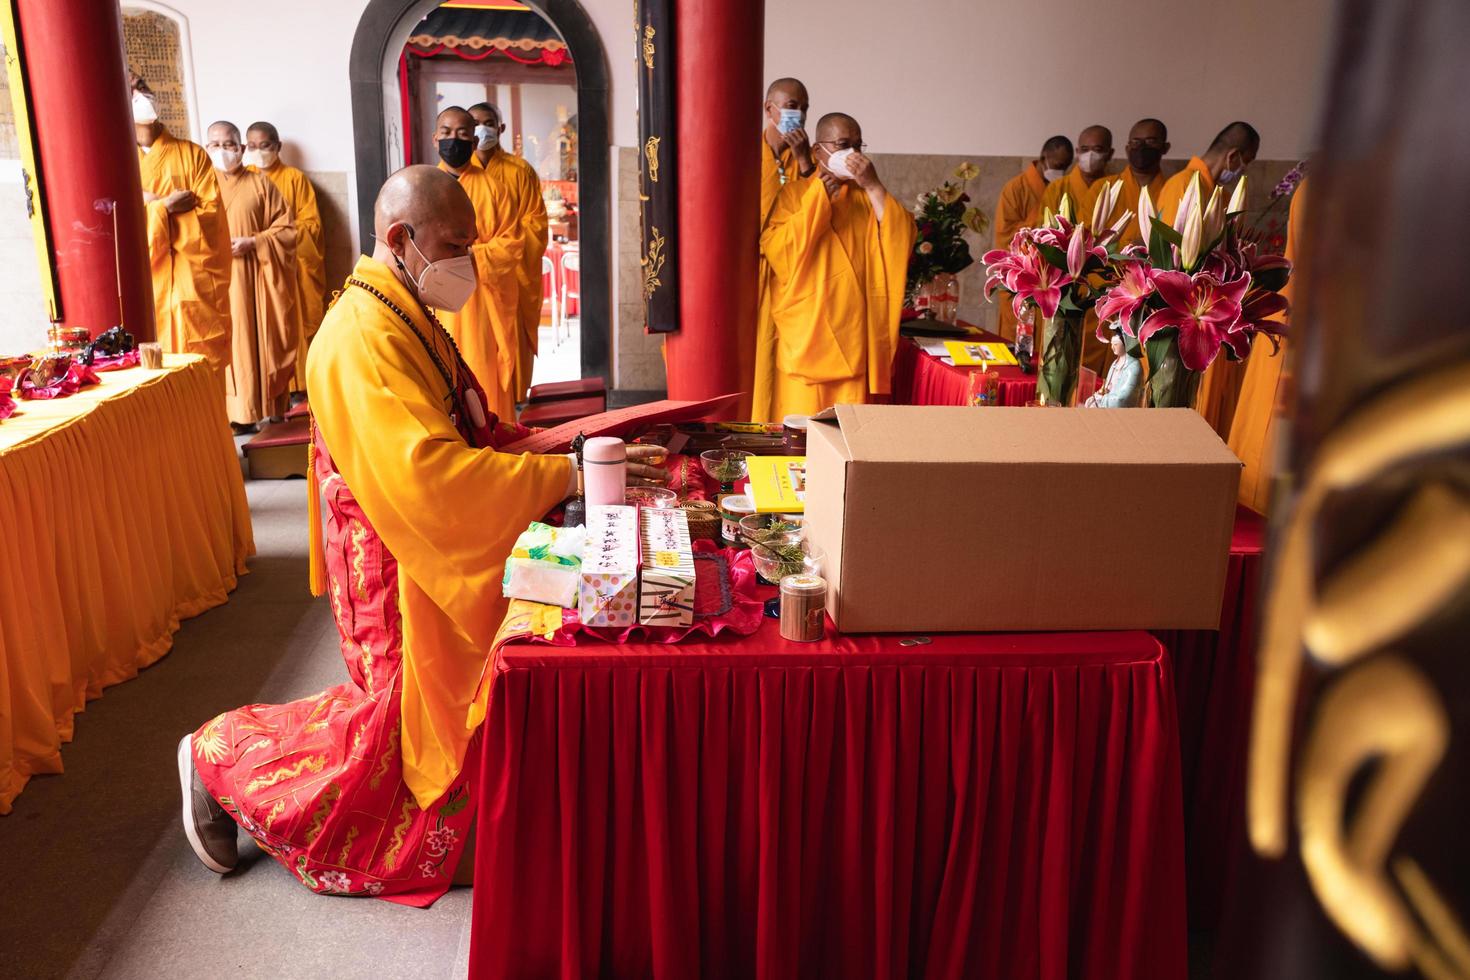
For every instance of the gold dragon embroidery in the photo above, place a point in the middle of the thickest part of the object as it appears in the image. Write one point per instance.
(359, 560)
(367, 667)
(648, 49)
(275, 811)
(385, 761)
(390, 857)
(323, 807)
(347, 845)
(312, 764)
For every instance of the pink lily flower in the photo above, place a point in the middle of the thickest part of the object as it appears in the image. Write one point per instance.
(1260, 313)
(1039, 282)
(1205, 311)
(1134, 288)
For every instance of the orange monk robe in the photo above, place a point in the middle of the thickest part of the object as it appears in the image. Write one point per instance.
(1252, 434)
(1128, 199)
(1095, 355)
(1019, 207)
(837, 284)
(263, 297)
(527, 214)
(487, 327)
(758, 353)
(311, 262)
(188, 253)
(1220, 387)
(449, 513)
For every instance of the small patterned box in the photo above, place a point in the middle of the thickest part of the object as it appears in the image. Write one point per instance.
(608, 594)
(666, 597)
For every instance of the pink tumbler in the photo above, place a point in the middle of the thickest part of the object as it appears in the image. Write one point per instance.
(605, 471)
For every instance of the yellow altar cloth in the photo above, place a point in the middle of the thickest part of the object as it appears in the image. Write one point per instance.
(122, 512)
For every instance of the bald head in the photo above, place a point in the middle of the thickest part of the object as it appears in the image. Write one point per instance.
(225, 148)
(838, 126)
(420, 196)
(222, 130)
(1232, 151)
(1094, 151)
(453, 122)
(485, 114)
(786, 95)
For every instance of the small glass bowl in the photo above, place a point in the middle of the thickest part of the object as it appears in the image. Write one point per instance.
(728, 466)
(759, 527)
(786, 554)
(654, 498)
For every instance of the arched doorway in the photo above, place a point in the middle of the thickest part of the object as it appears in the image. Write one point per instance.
(378, 134)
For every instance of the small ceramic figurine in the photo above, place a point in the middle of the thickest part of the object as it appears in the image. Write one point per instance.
(1124, 383)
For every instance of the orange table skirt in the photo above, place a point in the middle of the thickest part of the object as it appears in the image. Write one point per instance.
(122, 512)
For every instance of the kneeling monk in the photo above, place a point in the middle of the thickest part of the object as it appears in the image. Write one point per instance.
(838, 250)
(365, 789)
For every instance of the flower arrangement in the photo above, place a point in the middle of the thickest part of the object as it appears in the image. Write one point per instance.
(1061, 268)
(943, 215)
(1199, 287)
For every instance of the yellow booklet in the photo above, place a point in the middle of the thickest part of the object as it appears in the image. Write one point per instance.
(778, 484)
(968, 353)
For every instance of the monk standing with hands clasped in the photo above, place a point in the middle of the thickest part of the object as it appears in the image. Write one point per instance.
(188, 237)
(838, 249)
(263, 286)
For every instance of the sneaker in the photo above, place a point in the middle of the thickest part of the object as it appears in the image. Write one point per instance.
(211, 831)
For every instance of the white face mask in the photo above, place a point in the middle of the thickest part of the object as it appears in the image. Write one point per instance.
(144, 111)
(253, 158)
(837, 163)
(446, 284)
(1091, 161)
(485, 137)
(1051, 174)
(226, 160)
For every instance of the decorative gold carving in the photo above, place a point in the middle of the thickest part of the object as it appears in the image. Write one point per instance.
(1381, 711)
(650, 150)
(648, 49)
(653, 264)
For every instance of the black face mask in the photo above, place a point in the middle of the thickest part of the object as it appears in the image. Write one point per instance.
(1145, 159)
(456, 152)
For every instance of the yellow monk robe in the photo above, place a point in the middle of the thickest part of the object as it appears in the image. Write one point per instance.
(188, 253)
(263, 297)
(758, 355)
(487, 328)
(1252, 434)
(527, 213)
(449, 513)
(837, 283)
(311, 262)
(1019, 207)
(1128, 201)
(1220, 386)
(1095, 355)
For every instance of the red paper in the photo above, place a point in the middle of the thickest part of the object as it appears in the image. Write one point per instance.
(559, 439)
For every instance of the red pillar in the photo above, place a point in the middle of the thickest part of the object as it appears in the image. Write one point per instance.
(719, 51)
(73, 59)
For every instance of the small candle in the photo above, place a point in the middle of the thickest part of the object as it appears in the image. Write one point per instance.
(803, 608)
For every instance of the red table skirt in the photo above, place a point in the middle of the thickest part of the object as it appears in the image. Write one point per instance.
(988, 805)
(1215, 677)
(920, 378)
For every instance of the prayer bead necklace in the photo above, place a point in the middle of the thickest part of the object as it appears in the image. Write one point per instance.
(450, 376)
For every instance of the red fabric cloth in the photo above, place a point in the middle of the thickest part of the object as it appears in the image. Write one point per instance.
(920, 378)
(565, 278)
(77, 377)
(986, 805)
(7, 404)
(1214, 680)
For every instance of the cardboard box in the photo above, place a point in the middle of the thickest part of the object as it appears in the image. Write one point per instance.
(666, 590)
(608, 595)
(948, 519)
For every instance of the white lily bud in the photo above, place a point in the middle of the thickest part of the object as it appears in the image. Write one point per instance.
(1145, 215)
(1237, 199)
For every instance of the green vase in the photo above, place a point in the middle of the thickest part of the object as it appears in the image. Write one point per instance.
(1170, 383)
(1061, 344)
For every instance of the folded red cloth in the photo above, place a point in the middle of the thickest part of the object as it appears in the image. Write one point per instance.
(78, 376)
(7, 404)
(118, 363)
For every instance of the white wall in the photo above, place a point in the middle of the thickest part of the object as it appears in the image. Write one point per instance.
(997, 77)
